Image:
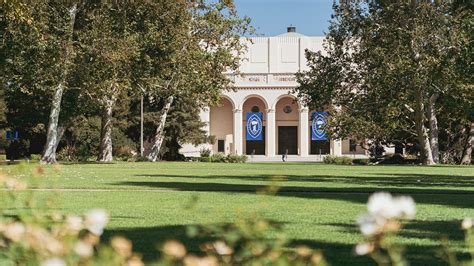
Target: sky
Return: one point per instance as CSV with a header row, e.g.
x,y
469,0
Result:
x,y
272,17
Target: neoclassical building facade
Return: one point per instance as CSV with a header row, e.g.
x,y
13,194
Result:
x,y
264,85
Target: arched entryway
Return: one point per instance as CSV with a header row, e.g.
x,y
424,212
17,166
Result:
x,y
254,103
287,125
221,126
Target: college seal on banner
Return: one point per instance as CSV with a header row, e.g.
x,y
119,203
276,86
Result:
x,y
254,125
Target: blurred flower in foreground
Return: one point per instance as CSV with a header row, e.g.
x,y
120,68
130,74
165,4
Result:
x,y
83,249
122,246
467,223
96,220
381,222
383,213
54,262
174,249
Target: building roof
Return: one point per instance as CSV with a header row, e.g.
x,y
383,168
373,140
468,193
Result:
x,y
291,34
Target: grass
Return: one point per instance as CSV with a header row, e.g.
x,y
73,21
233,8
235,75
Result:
x,y
317,204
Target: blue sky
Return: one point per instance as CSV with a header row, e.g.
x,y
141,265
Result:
x,y
272,17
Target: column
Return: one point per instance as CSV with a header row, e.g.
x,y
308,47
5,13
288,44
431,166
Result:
x,y
238,137
304,132
205,116
336,147
270,132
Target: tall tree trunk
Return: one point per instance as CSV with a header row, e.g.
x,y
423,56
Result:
x,y
52,141
61,130
434,131
159,134
49,152
425,148
105,151
467,152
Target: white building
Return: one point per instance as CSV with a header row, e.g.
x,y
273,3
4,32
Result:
x,y
265,84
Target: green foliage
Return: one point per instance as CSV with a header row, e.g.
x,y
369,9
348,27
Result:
x,y
233,158
205,152
82,138
338,160
245,242
218,158
230,158
385,63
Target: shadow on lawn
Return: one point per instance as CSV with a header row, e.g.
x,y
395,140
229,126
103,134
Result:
x,y
146,240
378,179
454,198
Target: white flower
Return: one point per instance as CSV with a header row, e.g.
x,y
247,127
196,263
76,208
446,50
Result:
x,y
222,248
74,223
369,225
406,207
83,249
467,223
382,204
14,231
363,249
96,220
53,262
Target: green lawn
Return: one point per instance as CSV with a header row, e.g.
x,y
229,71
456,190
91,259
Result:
x,y
317,204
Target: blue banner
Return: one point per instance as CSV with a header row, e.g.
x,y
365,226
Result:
x,y
254,126
318,124
9,135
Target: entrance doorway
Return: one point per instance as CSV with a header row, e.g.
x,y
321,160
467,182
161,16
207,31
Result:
x,y
288,140
256,147
320,147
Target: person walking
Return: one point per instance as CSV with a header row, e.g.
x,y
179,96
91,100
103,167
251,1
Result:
x,y
284,156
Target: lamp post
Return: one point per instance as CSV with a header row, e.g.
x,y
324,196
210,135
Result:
x,y
141,125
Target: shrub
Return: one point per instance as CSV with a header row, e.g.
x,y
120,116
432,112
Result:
x,y
339,160
35,157
67,154
343,160
218,158
233,158
205,152
329,159
204,159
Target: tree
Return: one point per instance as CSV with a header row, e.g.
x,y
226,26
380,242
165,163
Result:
x,y
187,52
108,50
39,51
386,67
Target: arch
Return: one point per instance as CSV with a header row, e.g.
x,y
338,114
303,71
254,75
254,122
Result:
x,y
225,97
252,146
288,126
285,96
221,125
254,96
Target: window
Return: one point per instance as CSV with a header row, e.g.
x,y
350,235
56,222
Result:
x,y
352,145
287,109
255,109
221,145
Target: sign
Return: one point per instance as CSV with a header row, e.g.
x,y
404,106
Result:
x,y
13,135
318,125
254,126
